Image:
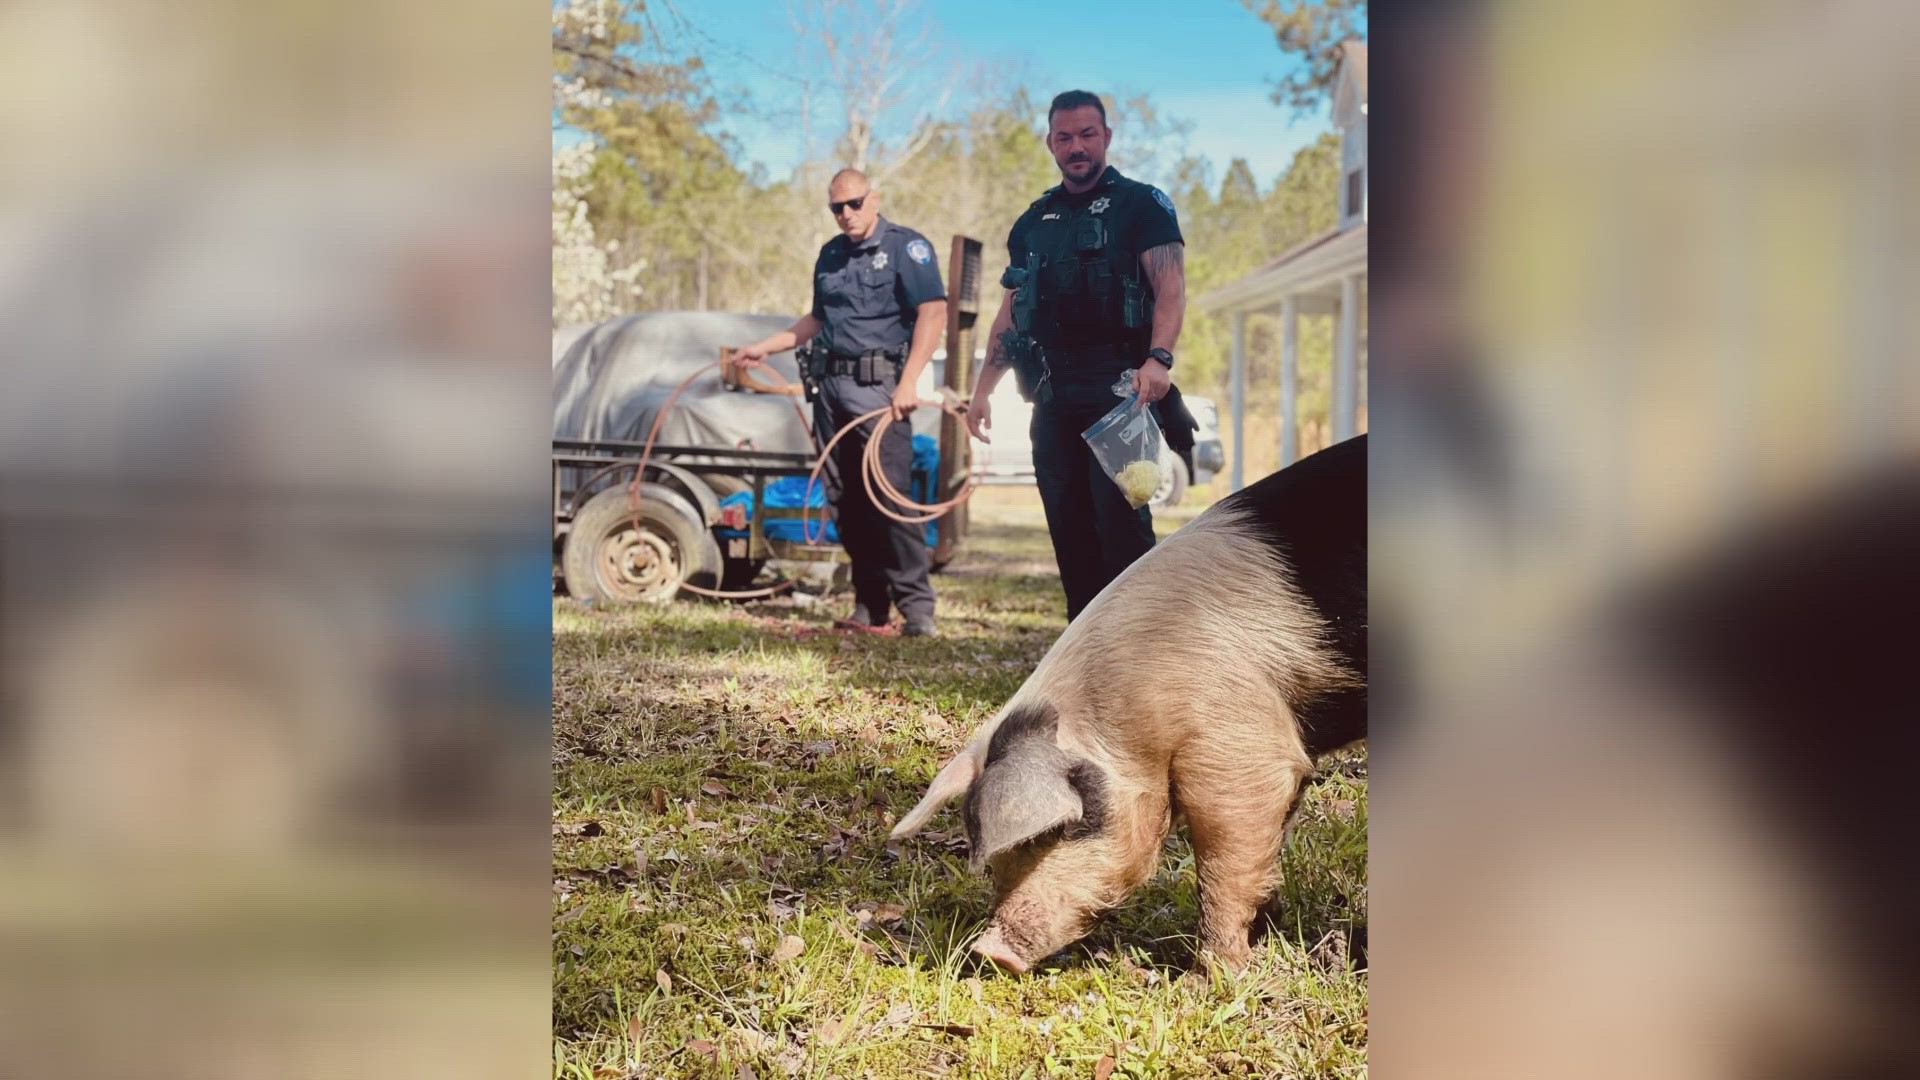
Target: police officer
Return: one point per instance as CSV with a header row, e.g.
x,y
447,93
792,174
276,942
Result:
x,y
1096,285
879,309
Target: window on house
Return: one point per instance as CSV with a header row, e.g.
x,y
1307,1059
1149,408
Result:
x,y
1356,191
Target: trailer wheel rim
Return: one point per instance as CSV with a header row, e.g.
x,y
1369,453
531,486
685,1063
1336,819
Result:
x,y
1168,463
637,563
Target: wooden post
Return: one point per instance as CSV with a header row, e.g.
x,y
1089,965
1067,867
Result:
x,y
964,269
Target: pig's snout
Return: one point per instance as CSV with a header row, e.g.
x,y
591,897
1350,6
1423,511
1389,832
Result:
x,y
1030,925
993,946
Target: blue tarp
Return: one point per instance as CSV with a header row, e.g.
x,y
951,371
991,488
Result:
x,y
787,493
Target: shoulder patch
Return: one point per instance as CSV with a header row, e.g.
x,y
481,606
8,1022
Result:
x,y
920,251
1161,198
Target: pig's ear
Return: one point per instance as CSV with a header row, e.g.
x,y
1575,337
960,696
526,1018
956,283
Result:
x,y
1028,790
952,783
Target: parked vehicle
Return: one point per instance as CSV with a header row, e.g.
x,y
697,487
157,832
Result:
x,y
1009,458
726,481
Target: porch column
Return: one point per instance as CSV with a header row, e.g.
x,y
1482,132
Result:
x,y
1346,371
1239,395
1289,381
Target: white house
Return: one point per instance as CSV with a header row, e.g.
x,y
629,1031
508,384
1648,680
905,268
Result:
x,y
1325,275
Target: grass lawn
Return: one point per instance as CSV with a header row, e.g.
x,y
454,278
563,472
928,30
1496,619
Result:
x,y
726,903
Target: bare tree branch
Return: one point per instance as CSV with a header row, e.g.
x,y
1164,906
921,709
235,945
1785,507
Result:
x,y
924,130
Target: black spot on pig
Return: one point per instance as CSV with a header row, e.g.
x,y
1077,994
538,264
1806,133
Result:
x,y
1091,785
970,816
1314,513
1026,722
1030,788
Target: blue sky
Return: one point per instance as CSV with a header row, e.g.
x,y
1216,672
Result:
x,y
1206,61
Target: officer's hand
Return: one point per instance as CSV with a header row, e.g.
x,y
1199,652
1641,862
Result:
x,y
980,417
750,355
1152,381
905,400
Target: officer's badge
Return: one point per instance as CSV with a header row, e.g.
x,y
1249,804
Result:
x,y
880,261
920,251
1161,198
1100,204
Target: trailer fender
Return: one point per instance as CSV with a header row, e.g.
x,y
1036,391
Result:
x,y
681,480
690,485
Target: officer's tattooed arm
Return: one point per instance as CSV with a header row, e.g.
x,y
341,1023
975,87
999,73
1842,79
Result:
x,y
1166,271
997,349
980,409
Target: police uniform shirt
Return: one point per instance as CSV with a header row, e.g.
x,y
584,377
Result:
x,y
1139,218
868,295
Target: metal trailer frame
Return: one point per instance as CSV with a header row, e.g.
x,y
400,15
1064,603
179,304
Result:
x,y
684,468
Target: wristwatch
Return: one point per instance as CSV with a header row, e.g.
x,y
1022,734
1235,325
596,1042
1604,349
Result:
x,y
1162,355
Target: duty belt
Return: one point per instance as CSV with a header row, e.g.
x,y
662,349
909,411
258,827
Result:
x,y
1082,357
866,366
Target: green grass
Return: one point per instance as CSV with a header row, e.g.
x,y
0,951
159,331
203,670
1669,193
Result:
x,y
724,780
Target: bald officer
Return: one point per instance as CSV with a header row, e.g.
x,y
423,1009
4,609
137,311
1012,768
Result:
x,y
879,309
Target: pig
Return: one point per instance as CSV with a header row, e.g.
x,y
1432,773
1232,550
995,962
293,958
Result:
x,y
1202,682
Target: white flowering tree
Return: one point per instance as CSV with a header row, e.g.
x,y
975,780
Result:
x,y
637,174
591,281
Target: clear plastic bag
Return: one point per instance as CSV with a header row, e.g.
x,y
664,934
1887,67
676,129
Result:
x,y
1126,443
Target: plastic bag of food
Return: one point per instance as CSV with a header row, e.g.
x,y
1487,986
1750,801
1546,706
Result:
x,y
1126,443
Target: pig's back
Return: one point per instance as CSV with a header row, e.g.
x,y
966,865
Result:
x,y
1314,514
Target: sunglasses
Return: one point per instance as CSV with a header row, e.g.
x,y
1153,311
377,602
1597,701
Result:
x,y
856,204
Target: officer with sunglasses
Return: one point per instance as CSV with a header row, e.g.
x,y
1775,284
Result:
x,y
879,310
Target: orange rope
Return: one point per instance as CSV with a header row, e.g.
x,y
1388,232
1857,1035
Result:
x,y
871,471
875,476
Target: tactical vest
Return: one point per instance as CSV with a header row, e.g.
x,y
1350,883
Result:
x,y
1088,291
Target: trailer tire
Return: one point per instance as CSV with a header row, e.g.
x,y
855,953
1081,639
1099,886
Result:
x,y
611,558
